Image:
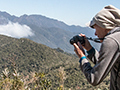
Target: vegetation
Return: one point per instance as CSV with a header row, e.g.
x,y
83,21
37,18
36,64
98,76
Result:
x,y
14,81
26,65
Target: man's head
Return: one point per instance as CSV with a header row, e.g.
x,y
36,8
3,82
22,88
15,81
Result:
x,y
105,20
100,32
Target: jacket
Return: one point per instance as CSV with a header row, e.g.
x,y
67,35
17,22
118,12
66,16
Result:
x,y
106,60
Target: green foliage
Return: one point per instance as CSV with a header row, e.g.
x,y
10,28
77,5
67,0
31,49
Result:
x,y
30,56
40,67
41,82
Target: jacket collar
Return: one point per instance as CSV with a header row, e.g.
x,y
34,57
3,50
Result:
x,y
116,29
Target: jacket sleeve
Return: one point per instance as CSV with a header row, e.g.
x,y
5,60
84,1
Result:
x,y
104,60
93,55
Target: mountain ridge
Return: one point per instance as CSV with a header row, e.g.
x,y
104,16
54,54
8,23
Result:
x,y
43,28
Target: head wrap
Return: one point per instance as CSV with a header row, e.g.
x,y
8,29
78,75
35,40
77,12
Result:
x,y
108,18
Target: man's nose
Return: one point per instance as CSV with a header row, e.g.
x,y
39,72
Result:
x,y
95,34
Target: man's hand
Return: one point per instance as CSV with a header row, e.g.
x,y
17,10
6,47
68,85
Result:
x,y
79,49
87,44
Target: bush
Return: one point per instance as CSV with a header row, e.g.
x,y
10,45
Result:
x,y
15,81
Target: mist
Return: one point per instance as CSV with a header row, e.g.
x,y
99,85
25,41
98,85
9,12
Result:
x,y
16,30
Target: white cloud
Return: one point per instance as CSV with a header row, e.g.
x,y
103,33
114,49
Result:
x,y
87,24
16,30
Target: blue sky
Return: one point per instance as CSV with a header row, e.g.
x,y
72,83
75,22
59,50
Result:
x,y
71,12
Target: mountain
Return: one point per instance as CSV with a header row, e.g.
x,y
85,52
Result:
x,y
47,31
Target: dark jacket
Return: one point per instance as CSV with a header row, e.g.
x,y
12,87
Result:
x,y
106,60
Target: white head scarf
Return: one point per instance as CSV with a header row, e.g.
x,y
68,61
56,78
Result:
x,y
108,18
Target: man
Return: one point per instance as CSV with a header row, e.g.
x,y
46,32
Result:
x,y
107,26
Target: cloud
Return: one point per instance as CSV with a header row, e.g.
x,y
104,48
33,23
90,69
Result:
x,y
16,30
87,24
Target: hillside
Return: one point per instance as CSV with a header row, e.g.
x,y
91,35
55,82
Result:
x,y
28,56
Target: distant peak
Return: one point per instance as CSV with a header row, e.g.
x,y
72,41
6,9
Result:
x,y
25,15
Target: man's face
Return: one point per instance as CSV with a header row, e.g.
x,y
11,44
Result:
x,y
100,32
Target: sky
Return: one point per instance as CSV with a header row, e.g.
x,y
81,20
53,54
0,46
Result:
x,y
71,12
